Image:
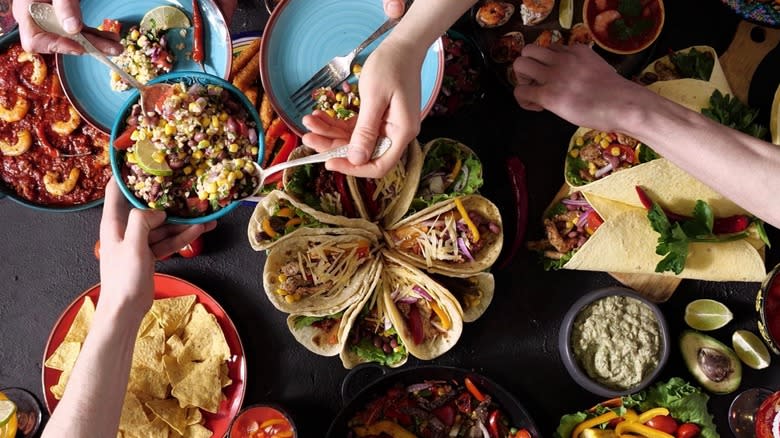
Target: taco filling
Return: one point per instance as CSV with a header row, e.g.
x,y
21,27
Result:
x,y
568,226
448,170
379,194
693,64
284,219
465,290
327,327
456,236
373,337
322,189
426,320
322,271
596,155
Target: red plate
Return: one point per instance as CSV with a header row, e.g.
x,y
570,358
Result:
x,y
166,286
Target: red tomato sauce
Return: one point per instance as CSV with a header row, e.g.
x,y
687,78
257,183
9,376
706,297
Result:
x,y
261,422
624,25
766,415
772,308
24,173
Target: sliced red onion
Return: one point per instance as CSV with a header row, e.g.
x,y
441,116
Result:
x,y
252,135
485,433
407,300
614,161
575,202
604,170
584,217
417,387
494,228
464,250
422,292
388,324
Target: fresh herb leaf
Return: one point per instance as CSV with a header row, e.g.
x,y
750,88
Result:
x,y
623,32
630,8
675,248
659,222
729,111
556,210
702,215
573,167
694,64
646,153
552,264
762,232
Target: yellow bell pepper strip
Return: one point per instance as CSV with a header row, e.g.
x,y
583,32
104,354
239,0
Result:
x,y
446,324
465,216
631,415
266,226
641,429
593,422
454,174
285,212
293,222
386,427
649,414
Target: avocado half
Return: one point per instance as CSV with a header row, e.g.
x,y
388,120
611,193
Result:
x,y
714,365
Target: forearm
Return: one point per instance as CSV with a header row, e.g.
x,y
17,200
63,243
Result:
x,y
738,166
92,403
427,20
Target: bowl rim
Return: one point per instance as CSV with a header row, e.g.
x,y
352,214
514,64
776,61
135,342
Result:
x,y
119,125
772,277
597,40
275,406
568,357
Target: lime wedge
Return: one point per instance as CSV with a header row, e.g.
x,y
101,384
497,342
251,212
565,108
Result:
x,y
144,153
164,18
7,410
566,14
706,315
750,349
774,118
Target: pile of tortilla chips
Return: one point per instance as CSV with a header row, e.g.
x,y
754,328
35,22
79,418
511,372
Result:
x,y
179,367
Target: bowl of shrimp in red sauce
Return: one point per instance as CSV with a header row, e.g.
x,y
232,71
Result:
x,y
624,27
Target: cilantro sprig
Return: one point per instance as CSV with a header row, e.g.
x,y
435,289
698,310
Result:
x,y
729,111
693,64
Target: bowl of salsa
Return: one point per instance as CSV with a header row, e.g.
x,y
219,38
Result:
x,y
624,27
768,307
262,421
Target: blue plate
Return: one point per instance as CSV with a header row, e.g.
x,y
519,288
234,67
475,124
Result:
x,y
86,81
303,35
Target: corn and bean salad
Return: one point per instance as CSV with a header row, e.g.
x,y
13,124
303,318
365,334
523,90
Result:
x,y
205,142
145,57
342,104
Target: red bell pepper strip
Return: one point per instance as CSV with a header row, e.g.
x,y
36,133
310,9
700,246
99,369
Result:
x,y
463,403
290,142
474,390
47,147
415,325
644,198
517,178
626,150
726,225
522,433
272,135
197,34
493,422
346,201
124,141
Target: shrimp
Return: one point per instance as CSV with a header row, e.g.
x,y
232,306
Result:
x,y
603,20
17,112
535,11
494,14
102,141
66,127
23,143
548,38
39,66
580,35
57,188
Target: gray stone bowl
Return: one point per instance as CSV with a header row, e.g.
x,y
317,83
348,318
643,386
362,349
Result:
x,y
570,361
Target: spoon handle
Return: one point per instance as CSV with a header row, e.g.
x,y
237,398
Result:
x,y
382,145
92,50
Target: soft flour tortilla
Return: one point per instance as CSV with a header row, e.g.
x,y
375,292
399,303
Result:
x,y
690,93
483,260
322,201
335,299
474,294
404,178
717,77
331,224
398,273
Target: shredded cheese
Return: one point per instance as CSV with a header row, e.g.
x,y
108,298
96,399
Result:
x,y
389,185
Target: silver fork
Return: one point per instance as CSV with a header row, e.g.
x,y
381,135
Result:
x,y
336,70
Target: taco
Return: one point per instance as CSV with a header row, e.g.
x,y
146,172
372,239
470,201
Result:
x,y
325,334
697,62
318,274
474,293
279,217
459,237
449,169
428,319
318,187
369,334
387,199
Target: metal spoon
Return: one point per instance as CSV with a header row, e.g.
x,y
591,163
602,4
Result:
x,y
742,412
44,16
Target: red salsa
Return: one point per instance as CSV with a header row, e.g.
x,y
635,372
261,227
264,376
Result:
x,y
48,155
624,25
768,417
261,422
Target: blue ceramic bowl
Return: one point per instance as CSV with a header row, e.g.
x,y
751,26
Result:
x,y
189,78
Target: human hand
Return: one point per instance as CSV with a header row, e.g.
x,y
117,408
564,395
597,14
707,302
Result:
x,y
130,242
394,8
576,84
34,39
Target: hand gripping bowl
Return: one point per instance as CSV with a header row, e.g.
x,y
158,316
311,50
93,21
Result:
x,y
188,78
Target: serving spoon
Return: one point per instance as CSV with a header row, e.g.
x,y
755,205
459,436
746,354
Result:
x,y
44,16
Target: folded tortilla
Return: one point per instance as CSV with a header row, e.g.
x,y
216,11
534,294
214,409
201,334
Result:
x,y
717,77
433,255
474,294
394,191
398,280
690,93
314,222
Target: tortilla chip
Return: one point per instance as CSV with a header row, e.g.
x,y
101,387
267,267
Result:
x,y
133,416
168,410
223,375
197,431
201,386
64,357
59,389
154,429
173,370
149,349
147,324
194,416
203,337
174,346
148,383
80,327
171,311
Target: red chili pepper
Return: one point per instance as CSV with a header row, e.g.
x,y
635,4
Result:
x,y
493,422
47,147
463,403
517,178
197,34
644,198
726,225
346,201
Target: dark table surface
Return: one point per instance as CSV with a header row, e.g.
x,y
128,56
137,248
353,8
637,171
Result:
x,y
46,261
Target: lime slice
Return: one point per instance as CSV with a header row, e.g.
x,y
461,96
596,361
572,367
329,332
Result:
x,y
566,14
7,410
144,153
774,119
750,349
164,18
706,315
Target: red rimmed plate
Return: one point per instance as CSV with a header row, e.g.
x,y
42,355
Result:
x,y
166,286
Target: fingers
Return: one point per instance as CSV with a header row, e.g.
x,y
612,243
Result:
x,y
363,139
320,123
140,223
107,46
165,231
69,14
115,211
373,169
394,8
531,68
173,243
529,97
546,56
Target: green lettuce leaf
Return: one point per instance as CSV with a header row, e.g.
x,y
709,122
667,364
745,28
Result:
x,y
366,350
469,179
307,321
552,264
573,167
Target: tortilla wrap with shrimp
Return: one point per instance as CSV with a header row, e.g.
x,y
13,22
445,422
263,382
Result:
x,y
441,240
326,334
428,318
474,293
622,240
279,217
319,274
692,63
369,334
386,199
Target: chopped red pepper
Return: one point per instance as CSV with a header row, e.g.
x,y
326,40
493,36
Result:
x,y
494,420
47,147
124,141
415,325
627,151
517,178
593,221
197,205
472,388
523,433
463,403
109,25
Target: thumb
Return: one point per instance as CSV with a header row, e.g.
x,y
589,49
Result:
x,y
140,223
69,14
363,140
529,97
394,8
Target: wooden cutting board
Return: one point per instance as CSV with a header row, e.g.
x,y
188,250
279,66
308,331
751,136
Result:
x,y
744,55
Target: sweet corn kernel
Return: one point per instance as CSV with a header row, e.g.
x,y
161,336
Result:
x,y
170,129
194,108
134,135
579,141
592,167
197,155
205,121
575,153
282,278
131,158
569,224
356,101
151,204
138,186
211,187
357,69
203,144
290,299
281,292
135,34
615,151
330,112
592,172
203,196
215,121
159,179
340,95
223,117
604,143
255,150
200,172
240,162
231,178
158,156
249,168
238,174
188,170
233,148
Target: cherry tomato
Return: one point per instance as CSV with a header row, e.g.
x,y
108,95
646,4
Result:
x,y
97,249
688,430
767,415
664,423
522,433
124,141
192,249
197,205
593,222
